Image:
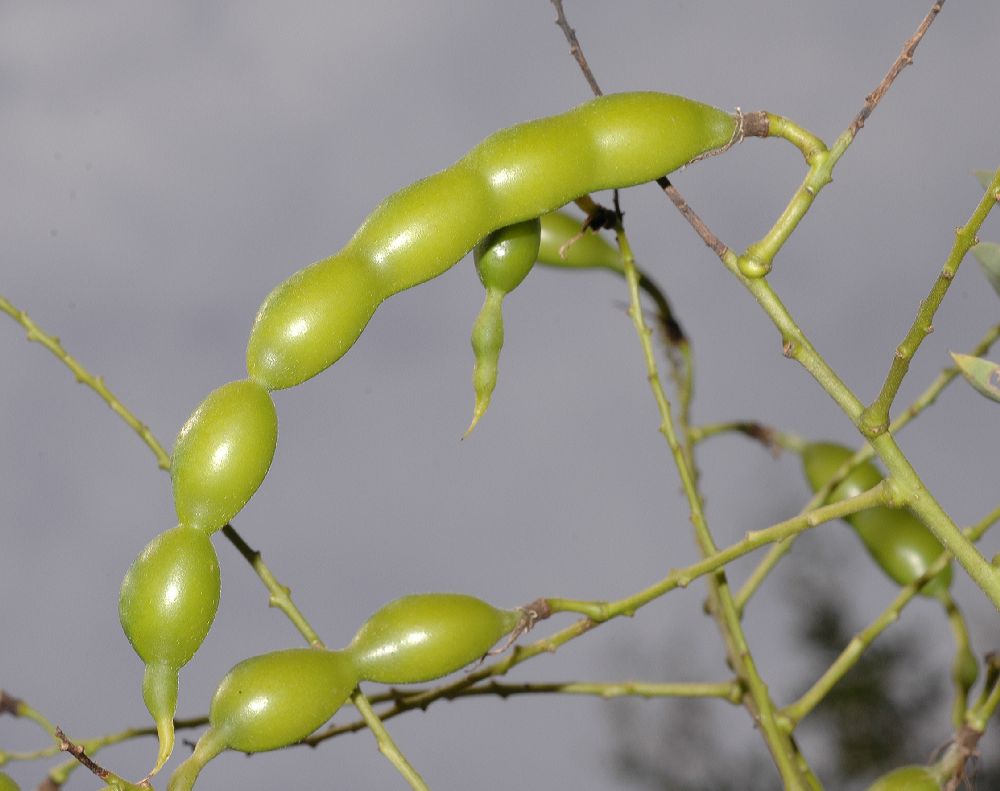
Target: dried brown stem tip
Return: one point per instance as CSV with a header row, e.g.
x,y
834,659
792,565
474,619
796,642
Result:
x,y
574,47
905,59
9,704
78,752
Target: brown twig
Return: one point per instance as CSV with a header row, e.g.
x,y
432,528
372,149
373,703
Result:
x,y
78,752
575,49
905,59
692,217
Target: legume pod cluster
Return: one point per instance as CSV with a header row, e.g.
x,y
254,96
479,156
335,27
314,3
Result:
x,y
502,186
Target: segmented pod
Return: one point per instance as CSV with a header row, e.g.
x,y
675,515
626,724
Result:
x,y
503,259
907,778
268,702
309,321
425,636
222,454
167,603
898,542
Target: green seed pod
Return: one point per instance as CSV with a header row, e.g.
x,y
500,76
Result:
x,y
563,244
503,259
7,783
268,702
308,322
166,606
222,454
425,636
907,778
898,542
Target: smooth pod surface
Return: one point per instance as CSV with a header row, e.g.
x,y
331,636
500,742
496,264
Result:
x,y
309,321
822,459
897,541
166,605
907,778
170,595
563,243
276,699
902,546
7,783
222,454
504,257
425,636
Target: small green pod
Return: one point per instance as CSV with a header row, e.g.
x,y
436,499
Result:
x,y
822,459
167,603
503,259
268,702
897,541
308,322
222,454
563,244
902,546
426,636
907,778
7,783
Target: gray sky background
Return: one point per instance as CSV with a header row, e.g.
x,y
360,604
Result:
x,y
165,165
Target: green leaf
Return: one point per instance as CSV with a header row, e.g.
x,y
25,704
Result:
x,y
984,176
981,374
988,254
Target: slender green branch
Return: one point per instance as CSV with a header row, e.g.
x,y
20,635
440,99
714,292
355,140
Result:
x,y
725,690
599,611
758,258
385,743
280,595
795,712
84,377
758,700
875,419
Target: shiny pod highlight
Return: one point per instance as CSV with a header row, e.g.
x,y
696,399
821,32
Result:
x,y
222,454
308,322
268,702
426,636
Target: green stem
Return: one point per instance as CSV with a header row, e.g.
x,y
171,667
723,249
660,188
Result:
x,y
280,595
84,377
758,258
795,712
875,419
758,700
600,611
385,743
